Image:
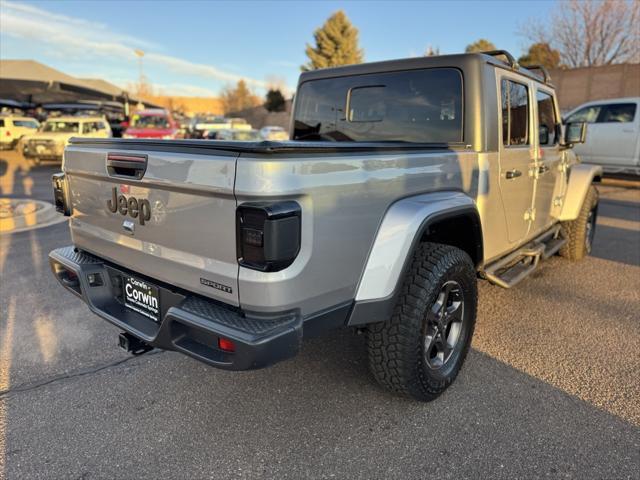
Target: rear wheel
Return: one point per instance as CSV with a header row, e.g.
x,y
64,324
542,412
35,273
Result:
x,y
421,348
581,231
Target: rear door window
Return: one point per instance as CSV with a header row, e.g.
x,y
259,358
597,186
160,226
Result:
x,y
417,106
618,113
515,113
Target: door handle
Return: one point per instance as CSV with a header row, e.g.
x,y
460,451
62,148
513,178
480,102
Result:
x,y
511,174
543,169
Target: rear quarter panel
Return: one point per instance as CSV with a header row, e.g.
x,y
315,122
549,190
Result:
x,y
344,199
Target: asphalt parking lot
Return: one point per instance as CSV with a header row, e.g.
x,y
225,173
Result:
x,y
551,388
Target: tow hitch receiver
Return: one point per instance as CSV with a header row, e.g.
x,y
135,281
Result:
x,y
133,345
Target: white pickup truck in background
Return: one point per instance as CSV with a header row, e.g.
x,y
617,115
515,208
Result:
x,y
613,134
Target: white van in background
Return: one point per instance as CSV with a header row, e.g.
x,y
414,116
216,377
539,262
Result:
x,y
613,134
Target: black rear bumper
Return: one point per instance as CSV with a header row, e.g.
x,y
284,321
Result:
x,y
189,323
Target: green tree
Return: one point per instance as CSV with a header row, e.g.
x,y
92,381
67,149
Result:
x,y
482,45
274,101
336,43
541,54
238,98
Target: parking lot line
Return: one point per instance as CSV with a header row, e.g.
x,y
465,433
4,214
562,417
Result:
x,y
5,367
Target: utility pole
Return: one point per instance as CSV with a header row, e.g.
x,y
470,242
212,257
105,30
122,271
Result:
x,y
139,54
141,80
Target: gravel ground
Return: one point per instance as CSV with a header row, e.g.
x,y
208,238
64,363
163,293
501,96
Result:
x,y
550,388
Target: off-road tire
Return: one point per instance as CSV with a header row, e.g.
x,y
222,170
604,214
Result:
x,y
397,351
577,232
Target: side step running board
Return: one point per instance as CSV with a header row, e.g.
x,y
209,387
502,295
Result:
x,y
518,265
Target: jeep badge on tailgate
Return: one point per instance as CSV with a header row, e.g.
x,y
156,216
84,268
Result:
x,y
139,208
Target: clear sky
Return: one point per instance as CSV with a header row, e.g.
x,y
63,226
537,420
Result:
x,y
198,47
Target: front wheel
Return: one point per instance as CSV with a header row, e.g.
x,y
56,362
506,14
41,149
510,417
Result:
x,y
421,348
581,231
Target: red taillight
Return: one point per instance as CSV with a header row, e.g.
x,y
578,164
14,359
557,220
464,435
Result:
x,y
8,134
226,345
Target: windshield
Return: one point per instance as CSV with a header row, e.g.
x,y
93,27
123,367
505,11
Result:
x,y
417,106
150,121
62,127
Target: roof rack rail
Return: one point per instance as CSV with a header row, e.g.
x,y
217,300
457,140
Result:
x,y
513,63
545,72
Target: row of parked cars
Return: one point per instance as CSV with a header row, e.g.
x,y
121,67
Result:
x,y
46,141
613,139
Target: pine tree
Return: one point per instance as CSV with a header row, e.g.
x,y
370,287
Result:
x,y
274,101
336,43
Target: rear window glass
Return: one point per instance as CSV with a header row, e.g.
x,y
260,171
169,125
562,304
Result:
x,y
417,106
1,123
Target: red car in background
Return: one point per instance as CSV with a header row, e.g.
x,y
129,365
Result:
x,y
152,123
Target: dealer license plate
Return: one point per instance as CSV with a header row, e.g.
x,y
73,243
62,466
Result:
x,y
142,297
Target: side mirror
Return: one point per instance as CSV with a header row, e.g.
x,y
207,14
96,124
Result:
x,y
575,133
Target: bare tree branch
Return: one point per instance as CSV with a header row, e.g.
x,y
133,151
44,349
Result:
x,y
592,32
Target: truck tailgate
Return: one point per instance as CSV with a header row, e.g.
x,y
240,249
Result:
x,y
176,224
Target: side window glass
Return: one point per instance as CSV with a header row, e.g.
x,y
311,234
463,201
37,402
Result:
x,y
86,127
548,126
515,113
618,113
586,115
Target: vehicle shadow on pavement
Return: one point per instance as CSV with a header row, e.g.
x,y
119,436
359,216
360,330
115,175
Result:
x,y
622,209
617,244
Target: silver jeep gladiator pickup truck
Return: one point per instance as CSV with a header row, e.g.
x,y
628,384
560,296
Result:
x,y
403,182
